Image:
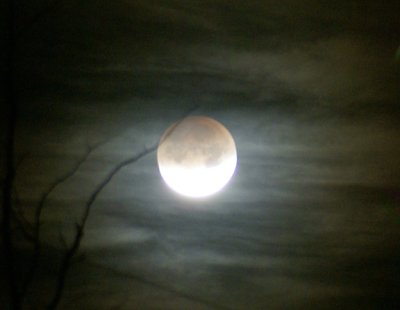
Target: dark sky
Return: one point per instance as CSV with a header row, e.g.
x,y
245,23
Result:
x,y
308,89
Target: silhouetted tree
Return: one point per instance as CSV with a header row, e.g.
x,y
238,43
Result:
x,y
13,217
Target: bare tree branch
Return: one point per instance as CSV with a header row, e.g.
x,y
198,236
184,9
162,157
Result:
x,y
38,215
69,254
65,263
73,249
18,217
22,224
17,209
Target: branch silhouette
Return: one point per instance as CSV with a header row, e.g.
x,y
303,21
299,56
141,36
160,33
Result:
x,y
80,227
17,292
38,214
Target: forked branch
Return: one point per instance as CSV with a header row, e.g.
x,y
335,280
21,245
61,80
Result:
x,y
80,228
37,222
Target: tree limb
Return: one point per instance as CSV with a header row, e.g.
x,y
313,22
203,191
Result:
x,y
69,254
38,214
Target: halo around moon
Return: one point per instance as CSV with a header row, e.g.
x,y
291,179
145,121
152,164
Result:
x,y
196,156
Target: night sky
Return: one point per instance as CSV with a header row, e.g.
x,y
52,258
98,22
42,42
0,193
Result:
x,y
308,89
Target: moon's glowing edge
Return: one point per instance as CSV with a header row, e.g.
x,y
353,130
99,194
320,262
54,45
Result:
x,y
200,181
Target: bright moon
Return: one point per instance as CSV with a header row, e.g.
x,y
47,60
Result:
x,y
196,156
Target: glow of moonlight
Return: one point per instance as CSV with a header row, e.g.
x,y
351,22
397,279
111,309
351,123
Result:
x,y
196,156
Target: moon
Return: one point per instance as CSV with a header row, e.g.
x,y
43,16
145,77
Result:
x,y
196,156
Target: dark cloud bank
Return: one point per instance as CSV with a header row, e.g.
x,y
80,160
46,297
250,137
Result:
x,y
308,89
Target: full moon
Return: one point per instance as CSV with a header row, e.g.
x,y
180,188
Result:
x,y
196,156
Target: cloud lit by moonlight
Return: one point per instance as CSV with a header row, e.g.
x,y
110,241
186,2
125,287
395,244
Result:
x,y
196,156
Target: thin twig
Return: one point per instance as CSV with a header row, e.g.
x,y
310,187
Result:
x,y
22,224
80,228
17,213
18,210
38,214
